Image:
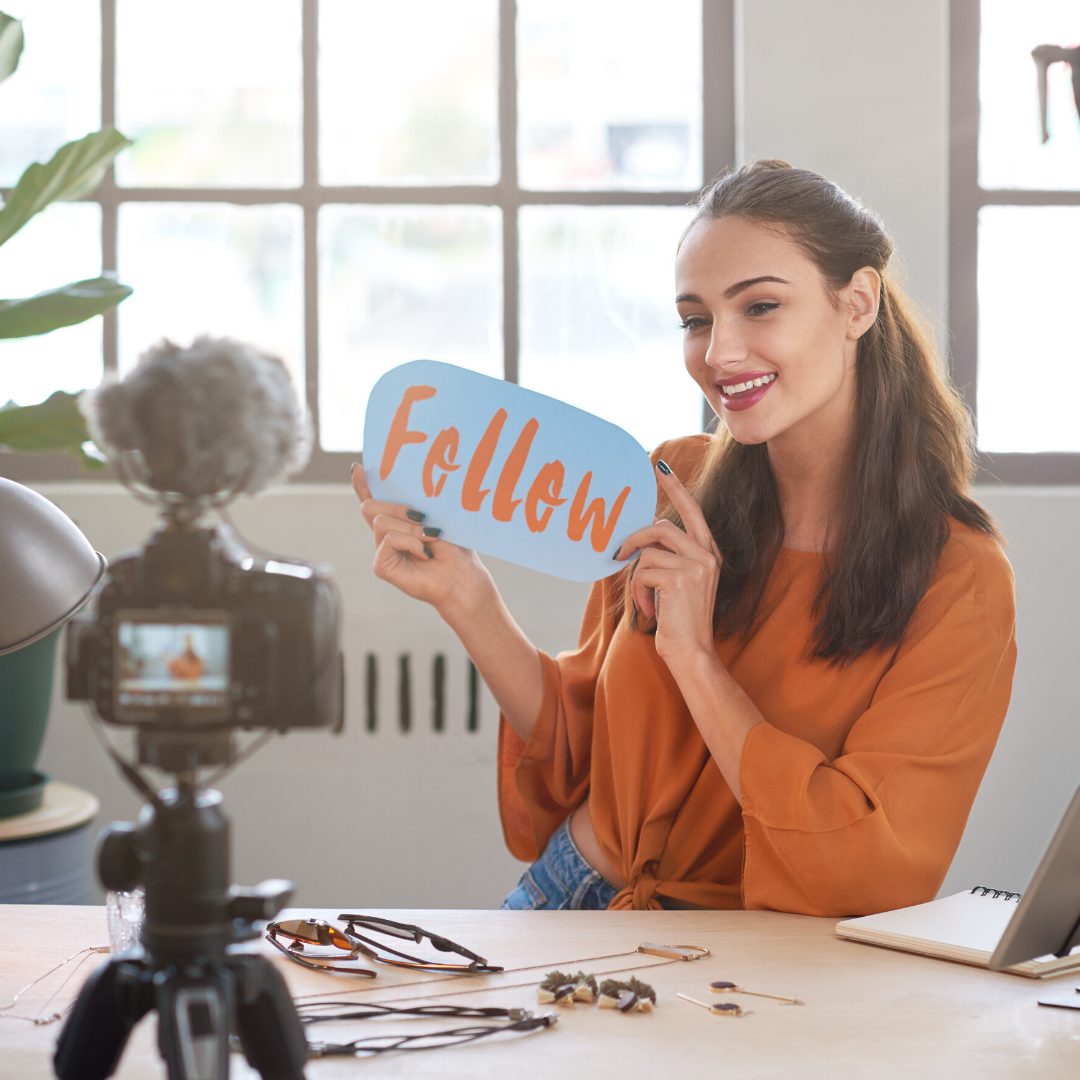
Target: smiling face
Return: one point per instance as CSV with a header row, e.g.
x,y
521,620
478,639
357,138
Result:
x,y
771,347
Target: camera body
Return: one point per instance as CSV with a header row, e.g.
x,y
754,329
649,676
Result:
x,y
193,633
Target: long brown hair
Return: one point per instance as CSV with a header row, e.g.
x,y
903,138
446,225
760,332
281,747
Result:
x,y
912,461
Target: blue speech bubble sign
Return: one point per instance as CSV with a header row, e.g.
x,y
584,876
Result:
x,y
505,470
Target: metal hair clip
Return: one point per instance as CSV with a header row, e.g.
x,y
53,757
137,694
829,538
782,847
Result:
x,y
721,1008
725,987
674,952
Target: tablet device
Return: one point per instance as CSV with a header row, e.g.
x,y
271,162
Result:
x,y
1047,919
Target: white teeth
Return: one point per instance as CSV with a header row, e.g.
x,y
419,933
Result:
x,y
738,388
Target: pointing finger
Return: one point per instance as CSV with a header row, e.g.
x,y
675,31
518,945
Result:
x,y
693,519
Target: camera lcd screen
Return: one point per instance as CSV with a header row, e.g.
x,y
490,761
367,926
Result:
x,y
163,663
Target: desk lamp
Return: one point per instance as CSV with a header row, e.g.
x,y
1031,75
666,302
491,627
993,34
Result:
x,y
48,570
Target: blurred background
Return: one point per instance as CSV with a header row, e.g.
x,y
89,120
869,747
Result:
x,y
502,185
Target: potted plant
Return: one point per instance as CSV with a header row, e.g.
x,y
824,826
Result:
x,y
74,171
51,568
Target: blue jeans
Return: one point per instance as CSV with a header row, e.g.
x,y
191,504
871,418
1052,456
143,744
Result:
x,y
560,879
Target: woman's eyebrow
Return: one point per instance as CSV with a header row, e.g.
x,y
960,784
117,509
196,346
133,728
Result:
x,y
732,290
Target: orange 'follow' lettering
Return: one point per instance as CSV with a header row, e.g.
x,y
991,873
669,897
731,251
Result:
x,y
545,487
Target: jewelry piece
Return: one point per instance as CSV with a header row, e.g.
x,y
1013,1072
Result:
x,y
309,1014
434,1040
674,954
49,1018
630,995
565,989
721,1008
724,987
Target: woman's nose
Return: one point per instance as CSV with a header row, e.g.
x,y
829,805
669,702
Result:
x,y
726,349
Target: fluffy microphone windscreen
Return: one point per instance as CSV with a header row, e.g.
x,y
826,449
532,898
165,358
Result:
x,y
218,416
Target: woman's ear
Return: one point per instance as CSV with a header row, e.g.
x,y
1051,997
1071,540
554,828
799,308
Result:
x,y
862,295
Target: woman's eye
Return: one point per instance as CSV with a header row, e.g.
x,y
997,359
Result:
x,y
691,323
763,307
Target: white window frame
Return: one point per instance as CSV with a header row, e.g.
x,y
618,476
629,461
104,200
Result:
x,y
966,199
506,194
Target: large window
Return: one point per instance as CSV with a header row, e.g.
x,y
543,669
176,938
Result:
x,y
352,184
1015,232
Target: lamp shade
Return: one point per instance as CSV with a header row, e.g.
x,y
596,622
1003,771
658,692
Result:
x,y
48,569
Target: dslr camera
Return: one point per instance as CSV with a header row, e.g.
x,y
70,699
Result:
x,y
194,632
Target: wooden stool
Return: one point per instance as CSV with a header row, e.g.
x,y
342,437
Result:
x,y
45,855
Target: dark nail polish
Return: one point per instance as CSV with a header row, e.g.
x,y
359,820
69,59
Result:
x,y
428,552
663,466
616,555
430,530
415,515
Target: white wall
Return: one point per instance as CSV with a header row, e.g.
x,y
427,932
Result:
x,y
856,89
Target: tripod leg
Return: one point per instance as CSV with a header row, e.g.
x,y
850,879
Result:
x,y
112,1001
269,1029
194,1017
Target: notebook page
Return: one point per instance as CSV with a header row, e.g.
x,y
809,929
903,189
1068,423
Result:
x,y
964,920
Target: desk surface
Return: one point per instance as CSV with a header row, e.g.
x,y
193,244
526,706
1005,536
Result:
x,y
868,1012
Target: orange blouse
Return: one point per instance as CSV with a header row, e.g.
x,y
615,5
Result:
x,y
857,788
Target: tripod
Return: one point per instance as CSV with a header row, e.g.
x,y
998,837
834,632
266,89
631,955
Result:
x,y
189,969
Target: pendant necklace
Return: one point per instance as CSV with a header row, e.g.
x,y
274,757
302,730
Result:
x,y
668,954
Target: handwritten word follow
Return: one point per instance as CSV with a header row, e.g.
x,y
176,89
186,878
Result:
x,y
544,492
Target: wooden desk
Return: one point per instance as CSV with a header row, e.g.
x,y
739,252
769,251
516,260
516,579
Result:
x,y
869,1012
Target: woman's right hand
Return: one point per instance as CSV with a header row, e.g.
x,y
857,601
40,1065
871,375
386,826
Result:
x,y
411,556
457,584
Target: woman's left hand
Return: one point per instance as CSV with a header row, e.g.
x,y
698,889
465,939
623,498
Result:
x,y
676,576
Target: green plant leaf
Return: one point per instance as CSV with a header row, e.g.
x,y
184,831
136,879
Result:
x,y
65,306
11,44
55,424
74,170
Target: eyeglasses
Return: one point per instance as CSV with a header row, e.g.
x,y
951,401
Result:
x,y
301,933
407,932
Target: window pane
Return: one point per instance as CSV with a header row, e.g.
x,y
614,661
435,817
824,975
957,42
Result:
x,y
1029,354
61,244
397,284
609,94
213,269
599,327
210,92
408,92
1011,151
55,94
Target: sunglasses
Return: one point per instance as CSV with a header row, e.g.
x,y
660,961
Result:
x,y
351,945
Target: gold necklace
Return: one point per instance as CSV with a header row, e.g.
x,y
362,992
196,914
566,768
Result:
x,y
670,954
49,1018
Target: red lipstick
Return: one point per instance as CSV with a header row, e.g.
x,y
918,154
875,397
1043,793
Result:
x,y
747,398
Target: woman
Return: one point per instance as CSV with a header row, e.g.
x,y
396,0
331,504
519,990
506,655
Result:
x,y
789,698
189,664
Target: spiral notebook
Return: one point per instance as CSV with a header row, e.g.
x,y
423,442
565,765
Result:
x,y
965,927
993,928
